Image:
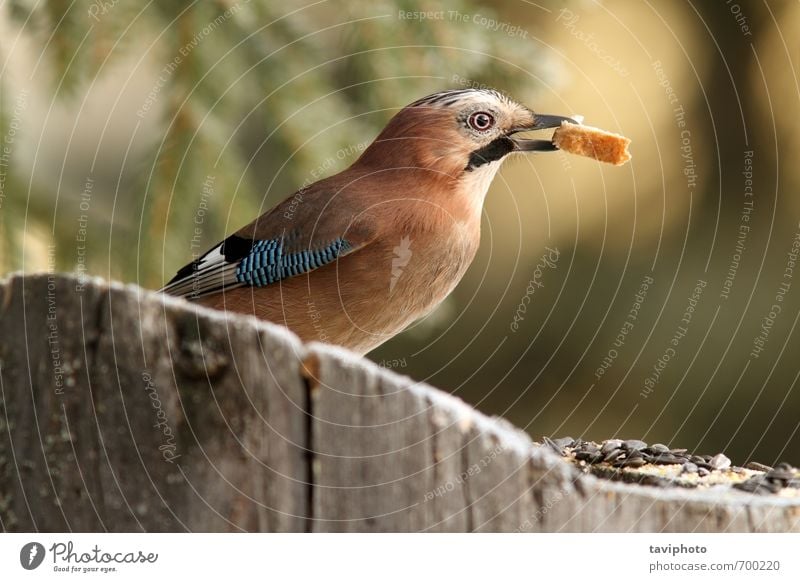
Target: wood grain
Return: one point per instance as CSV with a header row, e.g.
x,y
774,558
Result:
x,y
124,410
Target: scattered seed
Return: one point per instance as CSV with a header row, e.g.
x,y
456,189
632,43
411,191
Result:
x,y
720,461
611,445
772,487
753,466
634,453
634,445
589,456
780,475
759,485
613,455
749,486
668,459
633,462
564,442
559,450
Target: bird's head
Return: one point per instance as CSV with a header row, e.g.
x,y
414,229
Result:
x,y
462,134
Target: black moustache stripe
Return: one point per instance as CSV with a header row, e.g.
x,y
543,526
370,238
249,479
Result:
x,y
491,152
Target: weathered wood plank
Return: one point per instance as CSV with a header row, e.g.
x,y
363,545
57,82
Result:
x,y
179,420
371,446
48,443
124,410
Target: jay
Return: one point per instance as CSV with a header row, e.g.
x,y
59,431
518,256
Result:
x,y
355,258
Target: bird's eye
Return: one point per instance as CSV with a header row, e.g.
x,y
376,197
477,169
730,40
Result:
x,y
481,121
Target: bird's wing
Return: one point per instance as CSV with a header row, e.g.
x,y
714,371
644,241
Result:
x,y
265,252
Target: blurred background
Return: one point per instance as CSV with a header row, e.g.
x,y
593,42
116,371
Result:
x,y
136,136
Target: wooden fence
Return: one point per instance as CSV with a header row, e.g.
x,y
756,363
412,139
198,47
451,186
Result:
x,y
123,410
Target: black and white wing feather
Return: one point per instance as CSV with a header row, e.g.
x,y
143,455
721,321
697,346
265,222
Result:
x,y
240,262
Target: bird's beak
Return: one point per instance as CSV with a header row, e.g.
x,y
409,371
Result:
x,y
539,122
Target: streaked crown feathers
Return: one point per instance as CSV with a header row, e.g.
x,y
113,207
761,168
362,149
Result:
x,y
458,97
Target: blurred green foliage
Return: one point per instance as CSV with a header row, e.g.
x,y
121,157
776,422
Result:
x,y
172,112
258,97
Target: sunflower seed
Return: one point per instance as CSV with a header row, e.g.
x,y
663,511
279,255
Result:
x,y
553,446
613,455
780,475
633,462
753,466
589,457
611,445
564,442
755,484
634,445
758,485
668,460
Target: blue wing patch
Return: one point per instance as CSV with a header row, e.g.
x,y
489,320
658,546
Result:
x,y
268,263
239,261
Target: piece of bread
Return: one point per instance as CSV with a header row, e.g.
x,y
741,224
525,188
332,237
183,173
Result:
x,y
592,142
